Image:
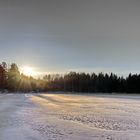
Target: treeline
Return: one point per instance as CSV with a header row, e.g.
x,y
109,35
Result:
x,y
82,82
12,80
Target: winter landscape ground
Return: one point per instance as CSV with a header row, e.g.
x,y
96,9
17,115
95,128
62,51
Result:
x,y
69,117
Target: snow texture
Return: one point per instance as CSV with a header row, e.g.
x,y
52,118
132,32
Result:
x,y
69,117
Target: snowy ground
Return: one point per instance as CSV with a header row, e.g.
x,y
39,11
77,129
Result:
x,y
69,117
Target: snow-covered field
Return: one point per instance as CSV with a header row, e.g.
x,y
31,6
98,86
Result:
x,y
69,117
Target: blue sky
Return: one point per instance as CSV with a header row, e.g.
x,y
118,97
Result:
x,y
71,35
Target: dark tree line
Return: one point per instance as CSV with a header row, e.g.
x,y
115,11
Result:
x,y
12,80
82,82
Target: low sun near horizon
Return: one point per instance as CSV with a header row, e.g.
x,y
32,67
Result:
x,y
28,71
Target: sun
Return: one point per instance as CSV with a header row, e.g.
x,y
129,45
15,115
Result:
x,y
27,71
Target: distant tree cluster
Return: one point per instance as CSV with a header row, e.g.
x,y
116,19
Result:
x,y
82,82
12,80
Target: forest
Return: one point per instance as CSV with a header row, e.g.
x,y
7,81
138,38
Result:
x,y
11,80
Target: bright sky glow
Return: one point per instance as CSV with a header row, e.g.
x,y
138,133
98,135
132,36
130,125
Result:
x,y
27,71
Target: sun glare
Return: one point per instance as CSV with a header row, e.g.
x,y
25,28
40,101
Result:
x,y
27,71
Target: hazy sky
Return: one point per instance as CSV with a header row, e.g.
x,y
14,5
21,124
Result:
x,y
71,35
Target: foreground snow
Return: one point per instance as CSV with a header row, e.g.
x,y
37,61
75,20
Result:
x,y
69,117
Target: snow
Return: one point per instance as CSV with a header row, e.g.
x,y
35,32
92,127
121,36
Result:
x,y
69,117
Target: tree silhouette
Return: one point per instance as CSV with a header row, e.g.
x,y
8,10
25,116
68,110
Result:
x,y
12,80
13,77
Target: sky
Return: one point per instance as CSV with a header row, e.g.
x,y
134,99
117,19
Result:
x,y
71,35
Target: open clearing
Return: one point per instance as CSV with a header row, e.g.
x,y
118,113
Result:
x,y
69,117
